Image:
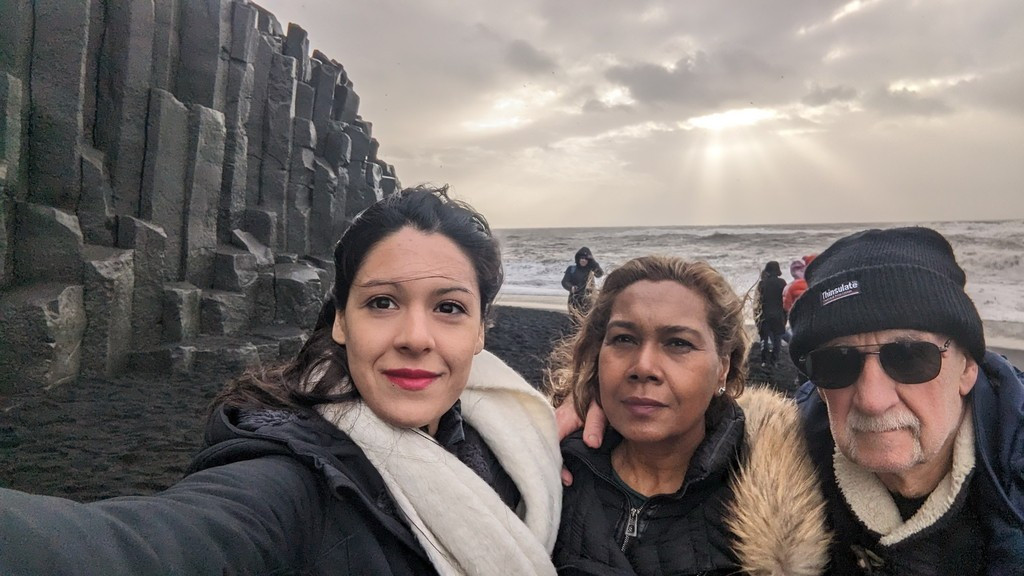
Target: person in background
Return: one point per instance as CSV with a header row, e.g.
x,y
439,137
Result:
x,y
916,430
579,281
769,316
797,287
391,444
686,481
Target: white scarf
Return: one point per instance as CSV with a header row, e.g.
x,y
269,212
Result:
x,y
459,520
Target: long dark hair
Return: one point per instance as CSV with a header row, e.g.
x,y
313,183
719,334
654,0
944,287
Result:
x,y
771,270
318,372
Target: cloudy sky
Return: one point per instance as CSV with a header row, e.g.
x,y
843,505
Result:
x,y
703,112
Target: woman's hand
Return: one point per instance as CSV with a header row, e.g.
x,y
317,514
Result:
x,y
568,422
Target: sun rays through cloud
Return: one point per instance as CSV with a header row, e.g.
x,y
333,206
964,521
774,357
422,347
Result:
x,y
547,113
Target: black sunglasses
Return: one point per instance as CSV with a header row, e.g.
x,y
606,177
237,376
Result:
x,y
905,362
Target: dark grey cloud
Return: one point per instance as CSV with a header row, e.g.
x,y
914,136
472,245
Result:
x,y
643,25
822,95
905,102
524,57
999,90
705,79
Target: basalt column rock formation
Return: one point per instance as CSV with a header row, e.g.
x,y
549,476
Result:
x,y
174,175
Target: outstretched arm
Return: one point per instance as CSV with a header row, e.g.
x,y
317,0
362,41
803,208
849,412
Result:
x,y
221,519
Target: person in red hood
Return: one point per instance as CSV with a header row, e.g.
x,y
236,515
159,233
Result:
x,y
797,287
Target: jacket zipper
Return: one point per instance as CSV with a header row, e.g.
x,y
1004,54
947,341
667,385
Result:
x,y
633,523
632,526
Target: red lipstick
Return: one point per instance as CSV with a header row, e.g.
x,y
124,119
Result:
x,y
411,379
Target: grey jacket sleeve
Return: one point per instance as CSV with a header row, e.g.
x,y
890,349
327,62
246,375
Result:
x,y
251,517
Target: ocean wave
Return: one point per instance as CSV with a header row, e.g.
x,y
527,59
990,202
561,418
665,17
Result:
x,y
1001,267
520,290
992,254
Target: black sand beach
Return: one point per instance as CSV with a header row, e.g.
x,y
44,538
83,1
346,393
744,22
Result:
x,y
136,435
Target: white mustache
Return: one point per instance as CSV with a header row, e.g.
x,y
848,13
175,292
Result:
x,y
889,421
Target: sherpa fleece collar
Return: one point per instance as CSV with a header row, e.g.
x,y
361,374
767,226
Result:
x,y
872,503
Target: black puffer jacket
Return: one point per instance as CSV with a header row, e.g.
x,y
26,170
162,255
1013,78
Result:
x,y
750,503
275,493
681,533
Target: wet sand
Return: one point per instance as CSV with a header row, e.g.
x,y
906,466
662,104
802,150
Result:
x,y
100,438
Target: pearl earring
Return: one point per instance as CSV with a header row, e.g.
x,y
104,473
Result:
x,y
721,391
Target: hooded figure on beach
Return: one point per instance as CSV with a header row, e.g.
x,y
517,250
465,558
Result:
x,y
579,281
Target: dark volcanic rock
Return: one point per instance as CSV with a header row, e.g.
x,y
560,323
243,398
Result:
x,y
57,92
41,327
205,30
101,438
109,279
50,247
164,175
149,244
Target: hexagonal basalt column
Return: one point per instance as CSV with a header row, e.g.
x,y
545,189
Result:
x,y
41,327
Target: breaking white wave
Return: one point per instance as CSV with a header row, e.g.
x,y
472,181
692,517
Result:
x,y
990,253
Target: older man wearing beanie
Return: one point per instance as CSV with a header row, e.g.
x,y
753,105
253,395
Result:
x,y
916,431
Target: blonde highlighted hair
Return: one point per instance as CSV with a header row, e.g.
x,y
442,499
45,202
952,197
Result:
x,y
572,368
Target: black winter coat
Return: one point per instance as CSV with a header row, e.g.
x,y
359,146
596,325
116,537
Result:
x,y
281,494
995,498
773,315
579,280
680,533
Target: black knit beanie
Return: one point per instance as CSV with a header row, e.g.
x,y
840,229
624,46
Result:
x,y
902,278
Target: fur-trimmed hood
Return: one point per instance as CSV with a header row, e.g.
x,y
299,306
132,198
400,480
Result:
x,y
778,513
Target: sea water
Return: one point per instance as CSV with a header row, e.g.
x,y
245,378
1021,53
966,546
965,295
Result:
x,y
990,252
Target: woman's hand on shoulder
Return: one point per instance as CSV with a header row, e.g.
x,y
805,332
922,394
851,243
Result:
x,y
568,422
